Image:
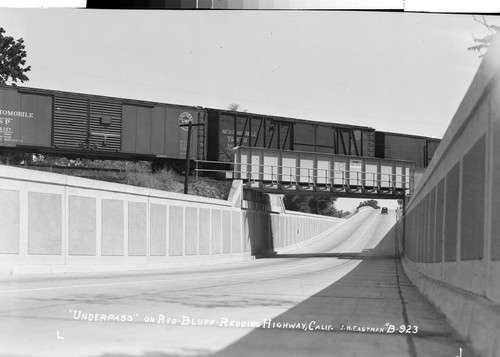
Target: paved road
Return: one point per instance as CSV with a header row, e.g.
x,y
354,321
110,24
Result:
x,y
323,300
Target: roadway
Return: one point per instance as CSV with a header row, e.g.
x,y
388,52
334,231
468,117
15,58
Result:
x,y
321,300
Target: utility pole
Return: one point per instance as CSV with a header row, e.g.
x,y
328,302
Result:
x,y
189,125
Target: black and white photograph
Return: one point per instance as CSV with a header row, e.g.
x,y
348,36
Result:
x,y
226,178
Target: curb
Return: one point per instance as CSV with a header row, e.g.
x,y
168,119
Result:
x,y
474,317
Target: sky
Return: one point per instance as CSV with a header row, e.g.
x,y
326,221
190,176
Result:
x,y
398,72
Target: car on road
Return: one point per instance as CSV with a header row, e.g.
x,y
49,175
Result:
x,y
384,210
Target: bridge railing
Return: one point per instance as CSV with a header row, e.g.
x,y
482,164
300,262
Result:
x,y
281,175
313,170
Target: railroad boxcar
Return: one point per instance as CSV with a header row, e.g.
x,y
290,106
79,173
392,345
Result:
x,y
228,129
418,149
80,125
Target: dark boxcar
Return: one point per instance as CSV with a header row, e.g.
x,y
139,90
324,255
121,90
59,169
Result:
x,y
334,138
227,129
25,118
405,147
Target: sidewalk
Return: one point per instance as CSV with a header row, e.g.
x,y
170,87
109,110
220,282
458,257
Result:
x,y
352,318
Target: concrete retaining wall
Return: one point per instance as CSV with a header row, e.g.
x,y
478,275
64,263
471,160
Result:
x,y
450,233
57,223
294,230
287,229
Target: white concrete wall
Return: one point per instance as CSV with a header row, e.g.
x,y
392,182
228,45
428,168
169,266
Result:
x,y
450,233
57,223
294,229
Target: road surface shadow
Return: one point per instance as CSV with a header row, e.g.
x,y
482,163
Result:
x,y
353,316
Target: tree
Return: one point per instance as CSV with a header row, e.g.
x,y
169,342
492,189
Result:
x,y
236,108
342,214
482,44
12,60
296,203
322,205
369,203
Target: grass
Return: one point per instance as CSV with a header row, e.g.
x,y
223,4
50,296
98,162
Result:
x,y
133,173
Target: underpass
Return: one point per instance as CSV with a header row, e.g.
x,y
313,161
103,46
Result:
x,y
343,295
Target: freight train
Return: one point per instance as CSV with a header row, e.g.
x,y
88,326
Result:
x,y
88,126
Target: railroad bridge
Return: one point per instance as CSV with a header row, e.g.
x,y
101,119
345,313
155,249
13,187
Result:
x,y
281,172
